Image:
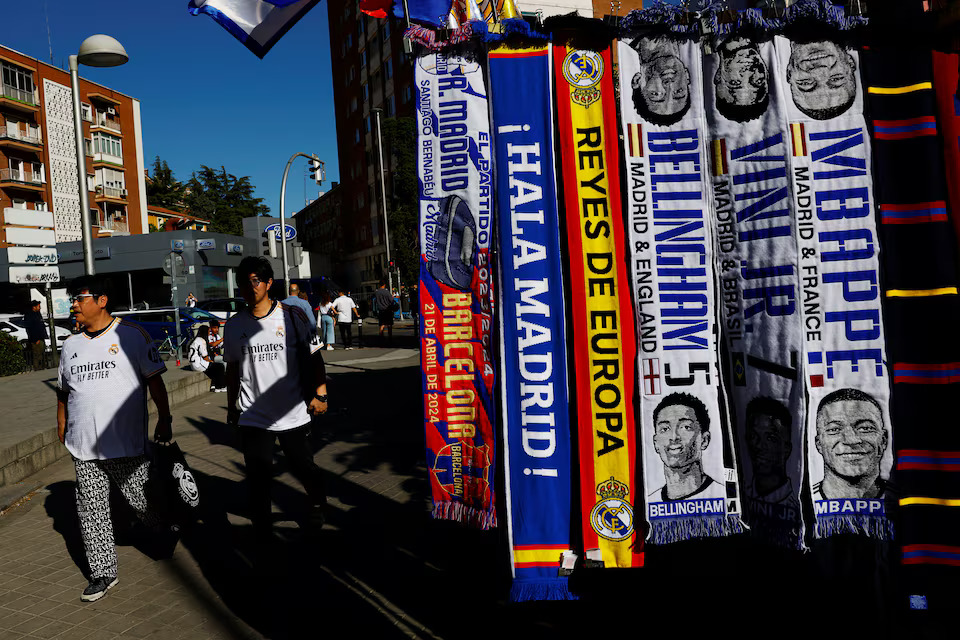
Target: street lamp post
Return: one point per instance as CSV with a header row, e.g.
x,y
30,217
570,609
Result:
x,y
383,197
96,51
282,235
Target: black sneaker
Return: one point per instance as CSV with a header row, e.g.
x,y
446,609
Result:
x,y
97,588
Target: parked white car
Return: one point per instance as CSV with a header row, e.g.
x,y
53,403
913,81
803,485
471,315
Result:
x,y
14,327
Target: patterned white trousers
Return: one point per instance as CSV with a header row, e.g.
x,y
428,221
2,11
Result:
x,y
93,506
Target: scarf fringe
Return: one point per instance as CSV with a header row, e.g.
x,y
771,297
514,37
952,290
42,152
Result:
x,y
470,516
782,537
526,590
668,530
878,528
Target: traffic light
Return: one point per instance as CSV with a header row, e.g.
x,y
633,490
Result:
x,y
270,244
393,265
317,171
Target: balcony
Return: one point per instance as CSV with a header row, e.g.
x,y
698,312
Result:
x,y
18,99
21,180
99,156
115,226
102,122
13,137
109,193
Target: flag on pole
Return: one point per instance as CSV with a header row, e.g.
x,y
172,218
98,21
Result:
x,y
433,12
258,24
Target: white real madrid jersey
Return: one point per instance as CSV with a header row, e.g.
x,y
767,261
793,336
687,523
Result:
x,y
107,403
271,395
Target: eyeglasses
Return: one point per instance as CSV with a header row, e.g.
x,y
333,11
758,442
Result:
x,y
77,297
253,283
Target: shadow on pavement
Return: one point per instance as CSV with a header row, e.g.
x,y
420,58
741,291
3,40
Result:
x,y
61,508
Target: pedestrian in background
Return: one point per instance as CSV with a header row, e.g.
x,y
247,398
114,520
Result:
x,y
36,335
191,300
325,320
384,304
294,300
346,309
102,420
201,359
214,340
273,363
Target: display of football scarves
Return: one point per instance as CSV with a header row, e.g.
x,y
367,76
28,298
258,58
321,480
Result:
x,y
759,276
533,344
456,292
602,335
690,481
849,443
922,312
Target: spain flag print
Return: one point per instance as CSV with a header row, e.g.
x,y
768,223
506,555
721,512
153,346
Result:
x,y
604,346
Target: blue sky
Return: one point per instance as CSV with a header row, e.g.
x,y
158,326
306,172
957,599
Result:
x,y
205,99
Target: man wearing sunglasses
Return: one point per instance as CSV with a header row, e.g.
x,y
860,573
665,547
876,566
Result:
x,y
276,381
104,373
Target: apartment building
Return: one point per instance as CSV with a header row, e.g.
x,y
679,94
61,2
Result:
x,y
38,163
371,71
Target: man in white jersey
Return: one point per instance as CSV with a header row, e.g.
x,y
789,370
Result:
x,y
276,380
102,419
346,309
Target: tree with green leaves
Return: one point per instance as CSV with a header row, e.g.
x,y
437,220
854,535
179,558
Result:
x,y
163,189
223,199
400,138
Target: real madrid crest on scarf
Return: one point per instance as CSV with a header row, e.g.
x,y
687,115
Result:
x,y
583,71
603,340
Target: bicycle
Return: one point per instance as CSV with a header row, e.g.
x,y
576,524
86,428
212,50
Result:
x,y
168,347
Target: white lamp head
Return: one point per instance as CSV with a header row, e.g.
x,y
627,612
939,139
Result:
x,y
102,51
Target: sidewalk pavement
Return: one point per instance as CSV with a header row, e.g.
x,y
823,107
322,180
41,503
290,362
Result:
x,y
380,568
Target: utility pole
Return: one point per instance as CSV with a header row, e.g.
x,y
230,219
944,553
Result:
x,y
383,196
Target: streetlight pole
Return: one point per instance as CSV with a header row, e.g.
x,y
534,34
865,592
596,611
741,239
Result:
x,y
383,197
283,227
96,51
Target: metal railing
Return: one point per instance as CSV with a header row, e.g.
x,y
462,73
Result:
x,y
103,121
18,94
9,175
117,226
14,133
111,192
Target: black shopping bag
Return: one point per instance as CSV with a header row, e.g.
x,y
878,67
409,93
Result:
x,y
175,487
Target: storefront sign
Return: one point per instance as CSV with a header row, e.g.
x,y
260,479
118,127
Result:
x,y
32,255
34,275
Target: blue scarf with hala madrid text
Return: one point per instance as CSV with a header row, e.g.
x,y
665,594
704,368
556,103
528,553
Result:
x,y
536,421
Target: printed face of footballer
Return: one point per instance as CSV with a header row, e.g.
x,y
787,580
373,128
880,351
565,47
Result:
x,y
663,80
822,78
678,437
742,77
768,443
851,438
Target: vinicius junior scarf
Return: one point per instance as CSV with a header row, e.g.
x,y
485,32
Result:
x,y
456,210
533,379
758,280
849,443
690,482
603,335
